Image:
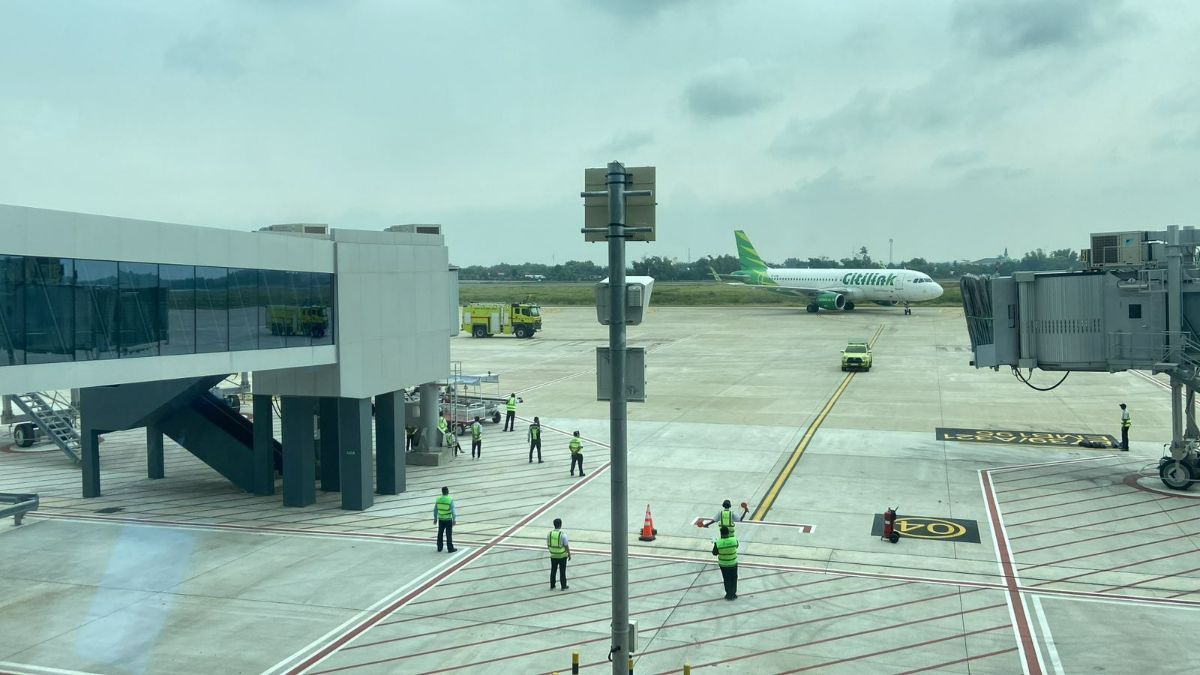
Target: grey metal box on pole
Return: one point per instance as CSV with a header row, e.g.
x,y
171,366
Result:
x,y
637,300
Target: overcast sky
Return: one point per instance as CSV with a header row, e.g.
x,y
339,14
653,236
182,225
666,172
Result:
x,y
956,128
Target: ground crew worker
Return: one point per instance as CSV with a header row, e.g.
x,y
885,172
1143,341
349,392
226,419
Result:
x,y
443,428
725,549
535,439
560,553
410,438
726,519
576,454
476,439
510,417
1125,424
445,517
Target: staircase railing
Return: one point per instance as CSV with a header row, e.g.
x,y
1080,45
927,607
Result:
x,y
55,418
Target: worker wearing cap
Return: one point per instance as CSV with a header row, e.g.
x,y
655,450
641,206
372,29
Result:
x,y
1125,424
445,517
725,548
726,518
535,439
510,416
476,439
560,553
576,453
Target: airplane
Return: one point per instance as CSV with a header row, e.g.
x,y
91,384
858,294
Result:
x,y
837,288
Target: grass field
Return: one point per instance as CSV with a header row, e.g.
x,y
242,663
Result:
x,y
678,294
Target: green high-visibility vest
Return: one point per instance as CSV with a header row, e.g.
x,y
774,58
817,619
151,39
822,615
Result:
x,y
727,521
1126,422
476,431
727,551
534,432
512,404
442,424
576,445
554,543
444,504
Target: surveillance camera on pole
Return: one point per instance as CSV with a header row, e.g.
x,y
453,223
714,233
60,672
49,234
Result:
x,y
615,213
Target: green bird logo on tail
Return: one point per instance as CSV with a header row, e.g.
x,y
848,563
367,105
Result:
x,y
754,269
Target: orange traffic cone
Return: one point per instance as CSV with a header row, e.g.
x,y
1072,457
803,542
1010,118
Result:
x,y
648,530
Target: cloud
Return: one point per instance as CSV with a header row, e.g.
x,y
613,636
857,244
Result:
x,y
993,174
734,92
210,53
637,9
628,142
1179,140
1015,27
958,160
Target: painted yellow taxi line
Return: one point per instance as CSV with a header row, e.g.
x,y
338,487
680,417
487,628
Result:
x,y
765,505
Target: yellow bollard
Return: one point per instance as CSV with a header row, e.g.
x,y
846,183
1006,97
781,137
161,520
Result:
x,y
687,669
574,663
631,665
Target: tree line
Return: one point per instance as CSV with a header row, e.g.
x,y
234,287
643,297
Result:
x,y
668,269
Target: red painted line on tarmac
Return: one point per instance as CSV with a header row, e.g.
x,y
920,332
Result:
x,y
1108,535
608,637
843,636
1104,522
509,589
1056,493
977,657
572,607
1113,569
1017,603
1132,481
489,577
1146,581
1090,501
1111,550
888,651
378,616
526,634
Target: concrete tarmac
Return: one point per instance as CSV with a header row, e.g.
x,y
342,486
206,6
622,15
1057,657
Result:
x,y
1082,560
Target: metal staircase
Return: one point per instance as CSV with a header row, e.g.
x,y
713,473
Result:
x,y
54,418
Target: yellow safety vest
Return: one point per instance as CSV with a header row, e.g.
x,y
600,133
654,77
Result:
x,y
512,404
576,445
535,432
727,521
727,552
476,431
442,424
444,504
554,543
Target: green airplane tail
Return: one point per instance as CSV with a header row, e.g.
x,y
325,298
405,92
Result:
x,y
751,261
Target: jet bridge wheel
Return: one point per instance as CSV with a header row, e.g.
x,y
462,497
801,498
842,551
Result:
x,y
24,435
1176,474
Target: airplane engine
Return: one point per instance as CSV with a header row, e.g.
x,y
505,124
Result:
x,y
886,303
829,300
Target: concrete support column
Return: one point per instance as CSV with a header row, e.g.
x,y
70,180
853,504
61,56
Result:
x,y
328,425
354,439
155,467
90,458
264,446
389,441
299,452
429,416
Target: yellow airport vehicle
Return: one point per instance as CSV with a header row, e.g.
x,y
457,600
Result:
x,y
485,319
310,320
857,355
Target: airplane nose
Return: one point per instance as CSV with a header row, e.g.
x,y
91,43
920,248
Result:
x,y
937,290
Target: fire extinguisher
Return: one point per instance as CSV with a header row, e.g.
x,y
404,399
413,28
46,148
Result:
x,y
889,525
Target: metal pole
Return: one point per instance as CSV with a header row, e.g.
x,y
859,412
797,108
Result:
x,y
616,412
1175,336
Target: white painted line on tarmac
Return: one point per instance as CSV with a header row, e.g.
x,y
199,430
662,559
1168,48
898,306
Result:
x,y
1047,636
23,668
1139,601
805,528
315,644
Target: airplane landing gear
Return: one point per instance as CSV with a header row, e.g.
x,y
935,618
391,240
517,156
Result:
x,y
812,308
907,309
849,306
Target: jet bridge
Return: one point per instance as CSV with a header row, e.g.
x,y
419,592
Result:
x,y
1135,307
